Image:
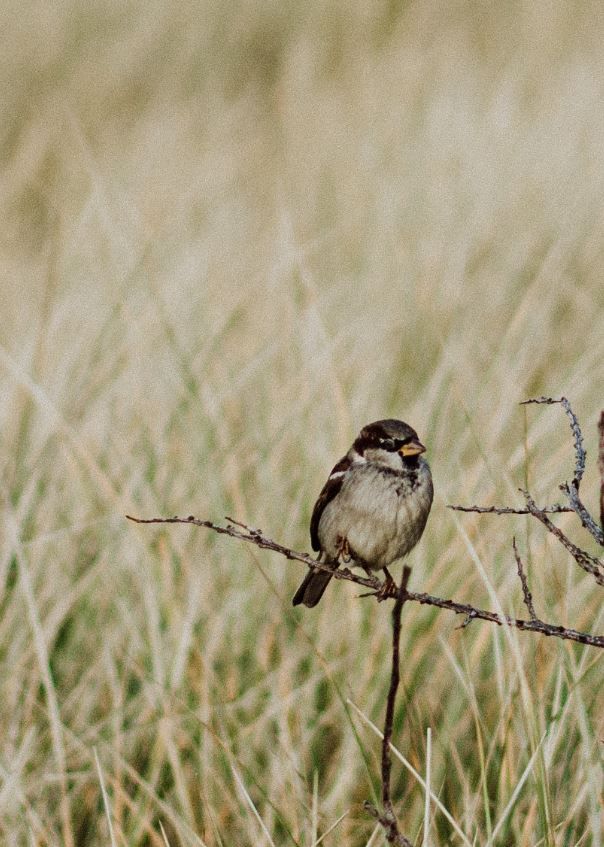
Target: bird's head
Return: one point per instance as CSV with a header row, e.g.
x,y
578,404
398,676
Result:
x,y
389,442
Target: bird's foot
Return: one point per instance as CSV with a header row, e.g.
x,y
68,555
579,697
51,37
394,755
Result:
x,y
389,588
344,552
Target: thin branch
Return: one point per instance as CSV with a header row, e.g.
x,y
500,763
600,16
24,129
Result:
x,y
474,613
572,492
571,489
590,564
391,829
526,592
256,537
576,506
580,454
557,508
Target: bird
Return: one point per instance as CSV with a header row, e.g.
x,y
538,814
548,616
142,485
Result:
x,y
373,508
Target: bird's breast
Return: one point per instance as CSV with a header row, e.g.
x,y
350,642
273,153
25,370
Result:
x,y
381,513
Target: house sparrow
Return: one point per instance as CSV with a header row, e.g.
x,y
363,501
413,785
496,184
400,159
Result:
x,y
374,506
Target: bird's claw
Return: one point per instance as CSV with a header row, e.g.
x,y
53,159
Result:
x,y
388,590
344,553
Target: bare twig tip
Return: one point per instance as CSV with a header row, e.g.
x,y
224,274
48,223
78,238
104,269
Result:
x,y
547,401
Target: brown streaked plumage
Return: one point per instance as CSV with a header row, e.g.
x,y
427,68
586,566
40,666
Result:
x,y
374,506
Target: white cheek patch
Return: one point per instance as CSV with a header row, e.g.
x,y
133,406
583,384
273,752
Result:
x,y
385,458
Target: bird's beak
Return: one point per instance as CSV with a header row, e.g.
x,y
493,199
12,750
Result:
x,y
412,448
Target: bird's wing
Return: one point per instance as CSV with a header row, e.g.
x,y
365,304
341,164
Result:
x,y
330,490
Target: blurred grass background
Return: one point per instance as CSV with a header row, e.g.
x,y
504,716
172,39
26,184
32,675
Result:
x,y
232,235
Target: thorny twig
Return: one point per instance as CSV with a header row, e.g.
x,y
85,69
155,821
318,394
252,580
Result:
x,y
580,454
571,489
526,591
257,537
590,564
577,506
510,510
239,530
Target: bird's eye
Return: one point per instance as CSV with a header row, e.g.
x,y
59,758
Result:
x,y
388,443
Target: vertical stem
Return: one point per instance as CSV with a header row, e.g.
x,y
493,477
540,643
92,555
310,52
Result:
x,y
394,683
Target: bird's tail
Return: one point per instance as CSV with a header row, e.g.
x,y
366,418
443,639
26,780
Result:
x,y
312,588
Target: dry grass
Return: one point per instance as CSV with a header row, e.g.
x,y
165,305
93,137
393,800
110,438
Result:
x,y
231,236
